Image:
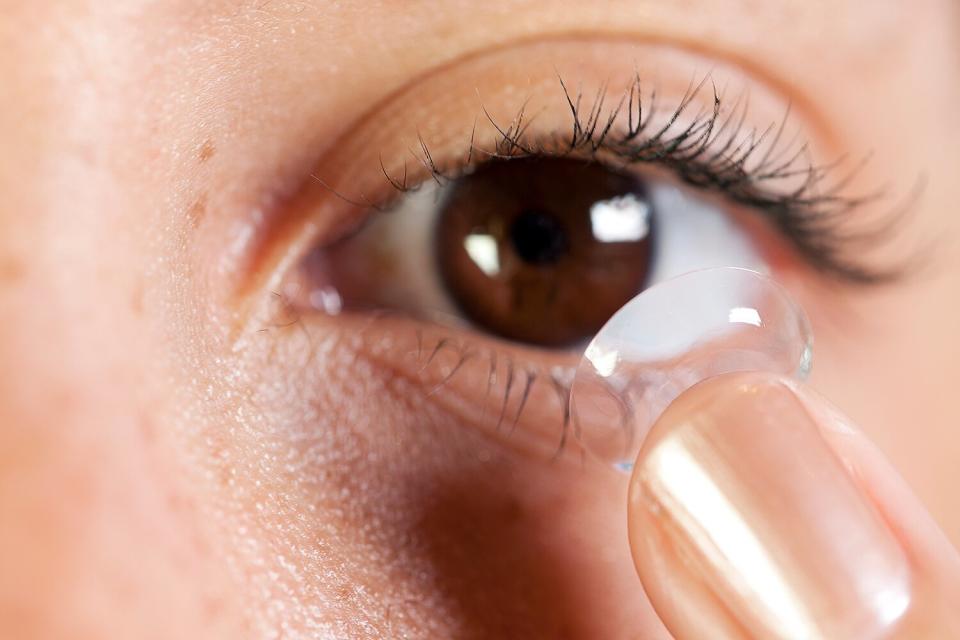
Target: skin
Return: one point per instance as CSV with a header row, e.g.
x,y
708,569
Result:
x,y
170,469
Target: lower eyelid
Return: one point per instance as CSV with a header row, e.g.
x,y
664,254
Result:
x,y
511,393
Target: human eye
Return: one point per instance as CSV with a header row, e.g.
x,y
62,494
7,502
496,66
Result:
x,y
472,246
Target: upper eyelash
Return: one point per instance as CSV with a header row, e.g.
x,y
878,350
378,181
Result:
x,y
712,152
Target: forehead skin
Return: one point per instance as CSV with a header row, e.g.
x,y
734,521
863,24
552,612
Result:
x,y
115,116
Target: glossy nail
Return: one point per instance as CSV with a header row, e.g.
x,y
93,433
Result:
x,y
746,524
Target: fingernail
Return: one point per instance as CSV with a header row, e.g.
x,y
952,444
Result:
x,y
746,524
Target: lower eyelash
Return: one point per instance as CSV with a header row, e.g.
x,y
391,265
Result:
x,y
516,392
436,361
518,388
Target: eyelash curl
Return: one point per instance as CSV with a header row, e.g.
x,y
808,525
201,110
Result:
x,y
713,153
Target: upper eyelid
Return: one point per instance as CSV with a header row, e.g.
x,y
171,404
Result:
x,y
311,206
596,132
420,150
712,151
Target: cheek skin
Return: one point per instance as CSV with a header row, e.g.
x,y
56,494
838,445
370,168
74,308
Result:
x,y
358,506
99,533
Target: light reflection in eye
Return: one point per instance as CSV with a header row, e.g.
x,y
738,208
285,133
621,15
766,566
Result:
x,y
483,250
620,219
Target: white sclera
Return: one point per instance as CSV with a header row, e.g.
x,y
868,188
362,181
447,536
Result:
x,y
672,336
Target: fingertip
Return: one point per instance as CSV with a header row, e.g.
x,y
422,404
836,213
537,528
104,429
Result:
x,y
746,521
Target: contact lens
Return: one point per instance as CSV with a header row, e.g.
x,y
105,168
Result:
x,y
672,336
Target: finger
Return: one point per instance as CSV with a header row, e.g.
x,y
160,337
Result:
x,y
757,511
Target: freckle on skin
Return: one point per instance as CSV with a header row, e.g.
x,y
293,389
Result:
x,y
136,301
197,210
147,429
207,150
11,270
211,608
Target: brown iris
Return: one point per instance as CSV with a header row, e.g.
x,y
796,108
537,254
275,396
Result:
x,y
543,251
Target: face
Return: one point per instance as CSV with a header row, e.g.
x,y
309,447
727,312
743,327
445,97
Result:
x,y
258,384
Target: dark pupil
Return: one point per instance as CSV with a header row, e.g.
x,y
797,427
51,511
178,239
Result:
x,y
538,237
522,253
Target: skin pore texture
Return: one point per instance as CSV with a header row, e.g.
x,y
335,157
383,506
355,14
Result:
x,y
184,456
